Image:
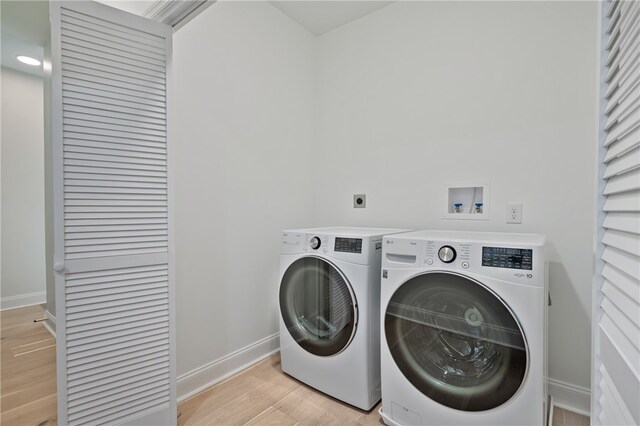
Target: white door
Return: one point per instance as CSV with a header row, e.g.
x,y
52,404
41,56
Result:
x,y
114,295
616,374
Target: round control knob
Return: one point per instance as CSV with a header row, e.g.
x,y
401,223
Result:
x,y
447,254
314,243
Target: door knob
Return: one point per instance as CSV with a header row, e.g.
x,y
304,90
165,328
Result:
x,y
58,266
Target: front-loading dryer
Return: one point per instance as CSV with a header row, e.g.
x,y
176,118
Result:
x,y
329,301
463,320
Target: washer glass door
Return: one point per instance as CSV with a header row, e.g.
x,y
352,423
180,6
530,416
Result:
x,y
456,341
318,306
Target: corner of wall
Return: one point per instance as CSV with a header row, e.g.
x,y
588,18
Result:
x,y
201,378
570,397
49,322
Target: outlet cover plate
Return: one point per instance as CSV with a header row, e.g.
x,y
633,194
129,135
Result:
x,y
514,213
359,201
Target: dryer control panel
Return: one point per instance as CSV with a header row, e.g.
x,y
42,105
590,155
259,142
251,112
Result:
x,y
358,250
348,245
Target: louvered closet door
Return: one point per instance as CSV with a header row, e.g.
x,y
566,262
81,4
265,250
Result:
x,y
616,393
115,317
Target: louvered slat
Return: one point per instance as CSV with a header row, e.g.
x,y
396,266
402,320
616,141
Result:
x,y
623,164
623,221
626,306
85,91
612,6
131,407
95,322
107,104
622,240
104,110
629,181
624,88
626,106
131,364
619,30
623,202
617,310
622,145
630,329
82,27
621,342
622,260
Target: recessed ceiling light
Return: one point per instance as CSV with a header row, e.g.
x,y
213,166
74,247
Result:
x,y
28,60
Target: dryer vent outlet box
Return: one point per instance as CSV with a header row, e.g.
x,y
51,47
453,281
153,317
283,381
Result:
x,y
466,200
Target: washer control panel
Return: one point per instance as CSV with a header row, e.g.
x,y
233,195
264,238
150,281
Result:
x,y
507,257
512,260
459,255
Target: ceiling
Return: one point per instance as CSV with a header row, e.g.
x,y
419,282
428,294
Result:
x,y
24,31
137,7
25,24
317,16
320,17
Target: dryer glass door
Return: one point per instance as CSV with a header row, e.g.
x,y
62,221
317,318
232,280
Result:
x,y
318,306
456,341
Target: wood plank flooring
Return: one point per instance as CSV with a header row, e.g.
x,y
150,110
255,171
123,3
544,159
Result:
x,y
28,369
263,395
260,395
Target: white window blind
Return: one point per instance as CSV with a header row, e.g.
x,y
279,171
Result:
x,y
115,316
616,393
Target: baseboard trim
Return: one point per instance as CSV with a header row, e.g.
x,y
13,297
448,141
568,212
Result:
x,y
199,379
22,300
570,397
49,322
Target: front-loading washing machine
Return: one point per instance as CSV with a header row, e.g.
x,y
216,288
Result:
x,y
463,329
329,301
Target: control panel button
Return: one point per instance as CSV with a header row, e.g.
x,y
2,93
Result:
x,y
314,243
447,254
429,261
465,265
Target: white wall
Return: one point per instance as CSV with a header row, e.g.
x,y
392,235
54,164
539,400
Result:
x,y
273,128
420,93
22,152
241,134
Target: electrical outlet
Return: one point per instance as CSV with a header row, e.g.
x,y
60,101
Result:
x,y
359,201
514,213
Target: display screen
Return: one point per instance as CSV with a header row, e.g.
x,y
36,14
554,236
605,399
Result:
x,y
504,257
348,245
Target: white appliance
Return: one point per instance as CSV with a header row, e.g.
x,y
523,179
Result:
x,y
463,329
329,302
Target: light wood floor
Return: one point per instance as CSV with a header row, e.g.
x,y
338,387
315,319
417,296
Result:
x,y
28,369
263,395
260,395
